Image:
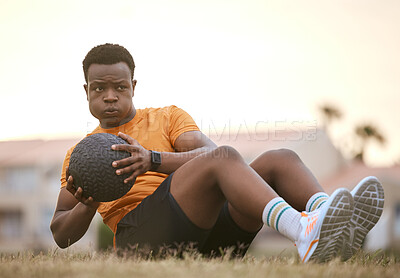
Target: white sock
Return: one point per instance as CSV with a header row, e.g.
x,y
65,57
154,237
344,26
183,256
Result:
x,y
316,201
280,216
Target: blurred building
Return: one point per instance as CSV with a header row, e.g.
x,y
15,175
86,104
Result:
x,y
313,146
29,186
30,182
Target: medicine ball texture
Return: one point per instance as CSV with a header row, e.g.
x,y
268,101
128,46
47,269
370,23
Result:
x,y
91,169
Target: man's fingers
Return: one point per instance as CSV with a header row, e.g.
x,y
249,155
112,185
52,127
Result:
x,y
127,138
132,177
125,162
78,193
123,136
126,148
128,169
88,201
136,170
121,147
70,189
136,166
70,185
70,180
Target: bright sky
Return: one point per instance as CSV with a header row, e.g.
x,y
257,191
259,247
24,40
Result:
x,y
228,63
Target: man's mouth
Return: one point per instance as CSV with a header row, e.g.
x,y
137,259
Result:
x,y
111,111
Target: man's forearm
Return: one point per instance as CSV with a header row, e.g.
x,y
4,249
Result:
x,y
171,161
69,226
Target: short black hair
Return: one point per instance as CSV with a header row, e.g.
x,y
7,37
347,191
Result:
x,y
108,54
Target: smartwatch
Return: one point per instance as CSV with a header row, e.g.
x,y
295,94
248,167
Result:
x,y
155,160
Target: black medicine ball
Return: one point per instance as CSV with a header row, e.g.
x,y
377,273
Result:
x,y
91,169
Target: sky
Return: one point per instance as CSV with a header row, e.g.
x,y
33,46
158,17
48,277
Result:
x,y
230,64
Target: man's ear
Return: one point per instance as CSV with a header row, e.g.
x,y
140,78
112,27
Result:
x,y
134,81
86,91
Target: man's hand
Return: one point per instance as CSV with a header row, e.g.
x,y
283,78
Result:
x,y
138,163
78,193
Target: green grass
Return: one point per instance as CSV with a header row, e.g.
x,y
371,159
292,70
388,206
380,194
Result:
x,y
97,265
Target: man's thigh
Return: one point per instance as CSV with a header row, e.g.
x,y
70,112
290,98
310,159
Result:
x,y
194,187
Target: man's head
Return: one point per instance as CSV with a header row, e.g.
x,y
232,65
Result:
x,y
110,85
108,54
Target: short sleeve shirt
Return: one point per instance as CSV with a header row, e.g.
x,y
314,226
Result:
x,y
155,129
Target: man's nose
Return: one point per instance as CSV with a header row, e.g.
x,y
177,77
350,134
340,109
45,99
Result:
x,y
110,96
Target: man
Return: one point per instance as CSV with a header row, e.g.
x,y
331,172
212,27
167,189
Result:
x,y
188,190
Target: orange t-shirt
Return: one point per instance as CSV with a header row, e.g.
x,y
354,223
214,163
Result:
x,y
155,129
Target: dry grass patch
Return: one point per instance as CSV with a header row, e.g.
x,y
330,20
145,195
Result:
x,y
99,265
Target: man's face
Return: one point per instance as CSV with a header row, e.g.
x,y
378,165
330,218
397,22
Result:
x,y
109,93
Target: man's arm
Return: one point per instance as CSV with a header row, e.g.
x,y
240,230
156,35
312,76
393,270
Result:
x,y
74,213
72,216
187,146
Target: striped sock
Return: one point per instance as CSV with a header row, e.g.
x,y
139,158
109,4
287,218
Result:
x,y
280,216
316,201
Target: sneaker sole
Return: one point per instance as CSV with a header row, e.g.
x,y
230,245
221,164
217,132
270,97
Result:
x,y
368,198
336,217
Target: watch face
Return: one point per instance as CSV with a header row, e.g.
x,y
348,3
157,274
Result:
x,y
155,158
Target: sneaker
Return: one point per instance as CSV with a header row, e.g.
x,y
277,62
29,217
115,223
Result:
x,y
320,236
368,206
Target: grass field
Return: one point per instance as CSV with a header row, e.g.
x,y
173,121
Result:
x,y
97,265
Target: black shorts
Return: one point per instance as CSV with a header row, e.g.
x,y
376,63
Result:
x,y
158,221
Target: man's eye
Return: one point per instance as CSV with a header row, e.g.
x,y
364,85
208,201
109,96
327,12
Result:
x,y
120,87
98,89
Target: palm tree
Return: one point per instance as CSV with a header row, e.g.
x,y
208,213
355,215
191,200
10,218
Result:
x,y
365,133
329,114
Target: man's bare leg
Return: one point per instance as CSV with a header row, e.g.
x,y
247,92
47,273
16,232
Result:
x,y
287,175
202,185
284,171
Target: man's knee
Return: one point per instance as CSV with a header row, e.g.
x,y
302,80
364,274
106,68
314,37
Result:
x,y
271,164
226,153
271,161
285,154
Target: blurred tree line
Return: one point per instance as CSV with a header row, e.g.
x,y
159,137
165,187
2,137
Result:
x,y
362,136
